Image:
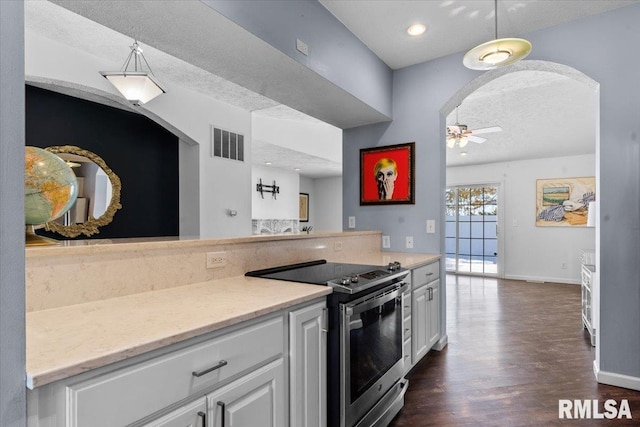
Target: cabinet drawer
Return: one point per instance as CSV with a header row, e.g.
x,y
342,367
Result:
x,y
425,274
406,353
406,304
406,328
147,387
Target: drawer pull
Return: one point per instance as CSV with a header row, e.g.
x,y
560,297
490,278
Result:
x,y
206,371
203,416
406,330
222,411
429,274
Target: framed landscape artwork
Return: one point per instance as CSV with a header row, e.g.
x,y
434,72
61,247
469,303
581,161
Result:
x,y
304,207
564,202
387,175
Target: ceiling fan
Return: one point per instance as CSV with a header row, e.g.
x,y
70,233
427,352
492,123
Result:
x,y
461,135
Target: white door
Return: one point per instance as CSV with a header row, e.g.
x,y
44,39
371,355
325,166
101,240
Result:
x,y
471,234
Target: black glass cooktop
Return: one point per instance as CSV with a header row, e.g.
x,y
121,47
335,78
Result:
x,y
318,272
321,272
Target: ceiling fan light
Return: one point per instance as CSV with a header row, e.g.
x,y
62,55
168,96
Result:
x,y
463,141
451,142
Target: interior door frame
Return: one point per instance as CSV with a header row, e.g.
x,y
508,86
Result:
x,y
501,257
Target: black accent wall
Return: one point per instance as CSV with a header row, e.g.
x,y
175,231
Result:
x,y
142,153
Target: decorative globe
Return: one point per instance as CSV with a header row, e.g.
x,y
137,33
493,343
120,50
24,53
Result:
x,y
50,186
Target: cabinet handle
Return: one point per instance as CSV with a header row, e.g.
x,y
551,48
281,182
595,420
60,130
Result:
x,y
430,294
429,274
206,371
325,320
222,411
407,307
406,330
204,418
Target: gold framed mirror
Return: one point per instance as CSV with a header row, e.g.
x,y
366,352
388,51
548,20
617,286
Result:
x,y
97,210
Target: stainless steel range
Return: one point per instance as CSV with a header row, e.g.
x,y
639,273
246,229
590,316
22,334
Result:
x,y
365,365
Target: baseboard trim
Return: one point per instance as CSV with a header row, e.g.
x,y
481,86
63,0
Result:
x,y
543,279
442,343
618,380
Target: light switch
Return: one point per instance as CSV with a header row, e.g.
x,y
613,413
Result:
x,y
431,226
386,242
352,222
409,242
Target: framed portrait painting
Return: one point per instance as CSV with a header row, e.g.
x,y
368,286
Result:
x,y
564,202
304,207
387,175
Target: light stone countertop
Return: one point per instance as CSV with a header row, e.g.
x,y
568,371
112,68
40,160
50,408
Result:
x,y
66,341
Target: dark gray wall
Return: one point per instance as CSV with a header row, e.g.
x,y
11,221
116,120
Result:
x,y
12,327
597,46
335,53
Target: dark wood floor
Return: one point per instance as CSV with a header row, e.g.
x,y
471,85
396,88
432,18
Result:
x,y
515,349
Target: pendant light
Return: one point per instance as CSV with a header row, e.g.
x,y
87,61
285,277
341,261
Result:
x,y
138,86
498,52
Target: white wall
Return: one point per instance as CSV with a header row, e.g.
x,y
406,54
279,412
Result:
x,y
223,184
317,139
286,205
327,204
530,252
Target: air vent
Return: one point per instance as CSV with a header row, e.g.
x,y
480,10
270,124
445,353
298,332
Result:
x,y
227,144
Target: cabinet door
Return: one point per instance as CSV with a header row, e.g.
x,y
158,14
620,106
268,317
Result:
x,y
308,366
257,399
433,315
190,415
419,317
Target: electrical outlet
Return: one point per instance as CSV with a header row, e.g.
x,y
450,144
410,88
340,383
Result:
x,y
352,222
337,246
431,226
216,259
302,47
386,242
409,242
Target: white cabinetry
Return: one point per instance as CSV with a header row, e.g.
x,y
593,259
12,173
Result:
x,y
587,275
192,415
257,399
239,371
425,311
308,366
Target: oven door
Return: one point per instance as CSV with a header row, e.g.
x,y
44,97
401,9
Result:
x,y
371,350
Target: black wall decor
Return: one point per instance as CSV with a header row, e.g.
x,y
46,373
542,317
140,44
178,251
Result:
x,y
142,153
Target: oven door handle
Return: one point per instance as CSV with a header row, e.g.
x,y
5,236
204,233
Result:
x,y
371,303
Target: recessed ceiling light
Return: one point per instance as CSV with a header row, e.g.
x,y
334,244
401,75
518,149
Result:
x,y
464,153
267,163
296,169
416,29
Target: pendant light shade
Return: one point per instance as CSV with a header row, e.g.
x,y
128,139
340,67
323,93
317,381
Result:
x,y
137,85
496,53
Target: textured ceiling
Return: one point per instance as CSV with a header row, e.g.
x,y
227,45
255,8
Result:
x,y
542,115
539,112
452,25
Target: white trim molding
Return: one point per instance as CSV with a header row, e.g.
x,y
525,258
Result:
x,y
618,380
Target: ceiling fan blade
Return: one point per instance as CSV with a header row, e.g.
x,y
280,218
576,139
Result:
x,y
486,130
476,139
